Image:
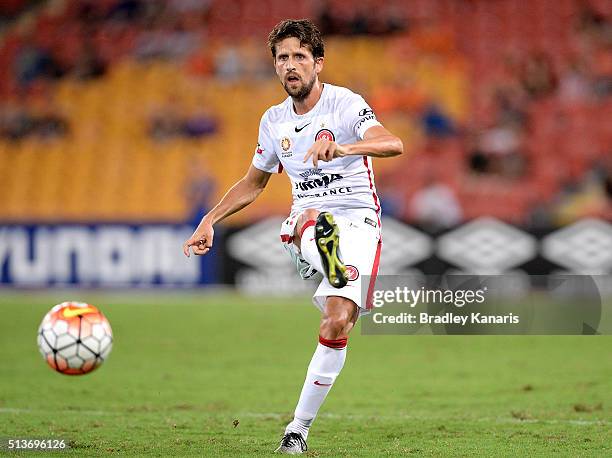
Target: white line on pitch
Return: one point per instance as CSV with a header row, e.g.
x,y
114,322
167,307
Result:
x,y
280,416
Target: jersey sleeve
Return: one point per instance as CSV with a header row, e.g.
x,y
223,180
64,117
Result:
x,y
358,116
265,157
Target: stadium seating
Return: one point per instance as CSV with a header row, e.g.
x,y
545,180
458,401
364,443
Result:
x,y
108,167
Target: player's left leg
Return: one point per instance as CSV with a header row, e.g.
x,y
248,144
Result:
x,y
339,316
360,243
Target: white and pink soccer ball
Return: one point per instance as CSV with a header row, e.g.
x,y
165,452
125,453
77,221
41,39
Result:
x,y
75,338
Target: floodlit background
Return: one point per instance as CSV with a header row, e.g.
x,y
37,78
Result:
x,y
145,112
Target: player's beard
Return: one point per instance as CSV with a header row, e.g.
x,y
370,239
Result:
x,y
300,93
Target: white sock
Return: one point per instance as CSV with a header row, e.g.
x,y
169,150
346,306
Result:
x,y
324,367
308,247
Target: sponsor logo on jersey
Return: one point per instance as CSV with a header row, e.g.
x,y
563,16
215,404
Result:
x,y
366,111
325,134
328,192
285,143
364,119
352,272
311,172
322,182
259,149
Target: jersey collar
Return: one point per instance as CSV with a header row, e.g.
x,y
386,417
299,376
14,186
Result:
x,y
313,110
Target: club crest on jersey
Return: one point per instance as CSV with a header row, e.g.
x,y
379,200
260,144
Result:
x,y
352,272
325,134
285,143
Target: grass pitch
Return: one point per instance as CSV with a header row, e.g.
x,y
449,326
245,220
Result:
x,y
219,375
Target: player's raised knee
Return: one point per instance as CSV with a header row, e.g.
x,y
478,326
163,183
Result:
x,y
310,214
306,218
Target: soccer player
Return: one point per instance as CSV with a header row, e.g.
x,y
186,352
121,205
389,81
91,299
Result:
x,y
324,136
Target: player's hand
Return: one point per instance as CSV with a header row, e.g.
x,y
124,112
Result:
x,y
324,150
201,240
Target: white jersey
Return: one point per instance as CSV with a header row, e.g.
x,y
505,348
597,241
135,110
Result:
x,y
285,137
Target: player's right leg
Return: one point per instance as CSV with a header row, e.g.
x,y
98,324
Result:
x,y
327,238
318,238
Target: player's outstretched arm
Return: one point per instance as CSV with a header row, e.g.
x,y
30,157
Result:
x,y
377,142
239,196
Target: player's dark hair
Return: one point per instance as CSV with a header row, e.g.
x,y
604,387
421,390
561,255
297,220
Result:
x,y
302,29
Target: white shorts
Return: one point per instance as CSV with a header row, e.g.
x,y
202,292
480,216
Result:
x,y
360,245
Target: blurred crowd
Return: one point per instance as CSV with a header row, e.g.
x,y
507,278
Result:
x,y
521,89
520,99
360,19
168,122
524,80
35,116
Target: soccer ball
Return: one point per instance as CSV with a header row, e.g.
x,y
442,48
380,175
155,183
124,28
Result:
x,y
74,338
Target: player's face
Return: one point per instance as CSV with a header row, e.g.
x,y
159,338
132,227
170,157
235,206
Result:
x,y
296,67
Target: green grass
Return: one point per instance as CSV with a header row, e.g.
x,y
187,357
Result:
x,y
185,367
